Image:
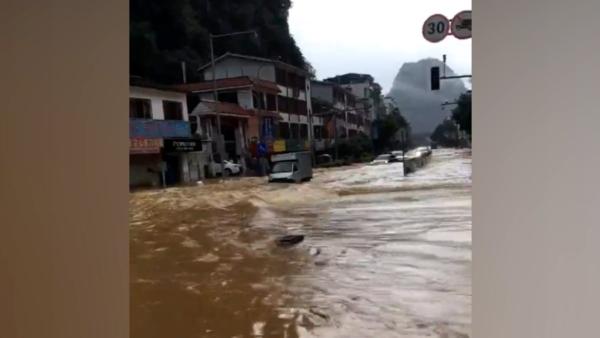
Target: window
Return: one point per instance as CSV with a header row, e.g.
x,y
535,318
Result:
x,y
351,101
271,102
318,132
301,107
301,82
284,131
292,106
303,131
294,130
173,110
283,107
280,77
140,108
230,97
284,167
267,127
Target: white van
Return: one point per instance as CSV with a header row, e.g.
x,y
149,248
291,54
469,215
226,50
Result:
x,y
291,167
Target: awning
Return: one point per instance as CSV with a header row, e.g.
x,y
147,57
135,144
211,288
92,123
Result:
x,y
223,108
229,84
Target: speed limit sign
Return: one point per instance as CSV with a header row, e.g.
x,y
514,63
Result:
x,y
436,28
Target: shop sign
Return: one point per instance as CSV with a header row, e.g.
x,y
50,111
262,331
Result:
x,y
141,128
144,146
183,145
279,146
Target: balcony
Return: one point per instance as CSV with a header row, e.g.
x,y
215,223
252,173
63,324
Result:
x,y
143,128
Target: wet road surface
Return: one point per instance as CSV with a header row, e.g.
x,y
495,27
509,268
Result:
x,y
384,255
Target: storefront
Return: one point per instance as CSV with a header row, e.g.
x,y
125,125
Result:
x,y
185,160
144,162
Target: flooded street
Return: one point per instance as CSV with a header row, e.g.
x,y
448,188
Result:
x,y
383,255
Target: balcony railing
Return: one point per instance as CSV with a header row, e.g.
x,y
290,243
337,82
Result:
x,y
143,128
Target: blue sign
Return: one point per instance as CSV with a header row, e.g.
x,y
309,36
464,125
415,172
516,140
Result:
x,y
142,128
262,149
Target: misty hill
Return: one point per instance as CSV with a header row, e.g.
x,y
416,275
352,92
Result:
x,y
417,102
162,33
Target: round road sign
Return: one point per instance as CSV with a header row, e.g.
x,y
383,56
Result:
x,y
436,28
461,25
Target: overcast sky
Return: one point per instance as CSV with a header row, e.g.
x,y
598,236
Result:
x,y
374,37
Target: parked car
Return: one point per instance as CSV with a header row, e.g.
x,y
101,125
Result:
x,y
231,168
385,159
398,154
424,150
324,159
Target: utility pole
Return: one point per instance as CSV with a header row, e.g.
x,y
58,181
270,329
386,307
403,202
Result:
x,y
220,145
346,113
335,131
311,136
221,138
183,71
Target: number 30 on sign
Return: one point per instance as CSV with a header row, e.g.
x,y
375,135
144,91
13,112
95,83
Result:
x,y
436,28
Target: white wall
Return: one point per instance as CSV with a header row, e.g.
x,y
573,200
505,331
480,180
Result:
x,y
157,97
294,118
358,89
235,67
289,92
207,96
245,98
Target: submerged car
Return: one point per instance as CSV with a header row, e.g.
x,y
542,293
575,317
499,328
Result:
x,y
385,159
324,159
398,155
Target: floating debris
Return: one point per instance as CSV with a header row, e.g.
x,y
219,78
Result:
x,y
289,240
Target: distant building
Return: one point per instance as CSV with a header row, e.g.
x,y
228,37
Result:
x,y
160,137
390,104
293,102
338,108
266,106
367,92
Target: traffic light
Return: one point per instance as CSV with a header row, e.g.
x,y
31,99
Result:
x,y
435,78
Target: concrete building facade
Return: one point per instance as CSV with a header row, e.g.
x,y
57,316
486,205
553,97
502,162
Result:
x,y
293,100
162,150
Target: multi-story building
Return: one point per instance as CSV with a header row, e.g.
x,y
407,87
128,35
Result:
x,y
338,107
248,112
390,104
162,150
291,102
367,92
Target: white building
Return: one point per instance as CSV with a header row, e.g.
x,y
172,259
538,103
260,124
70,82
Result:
x,y
160,137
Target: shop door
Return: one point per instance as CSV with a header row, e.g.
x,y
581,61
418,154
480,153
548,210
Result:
x,y
172,176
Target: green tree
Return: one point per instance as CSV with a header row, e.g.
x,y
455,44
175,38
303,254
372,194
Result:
x,y
164,33
462,113
446,134
356,147
388,128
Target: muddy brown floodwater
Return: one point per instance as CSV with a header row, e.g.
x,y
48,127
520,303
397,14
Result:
x,y
384,255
